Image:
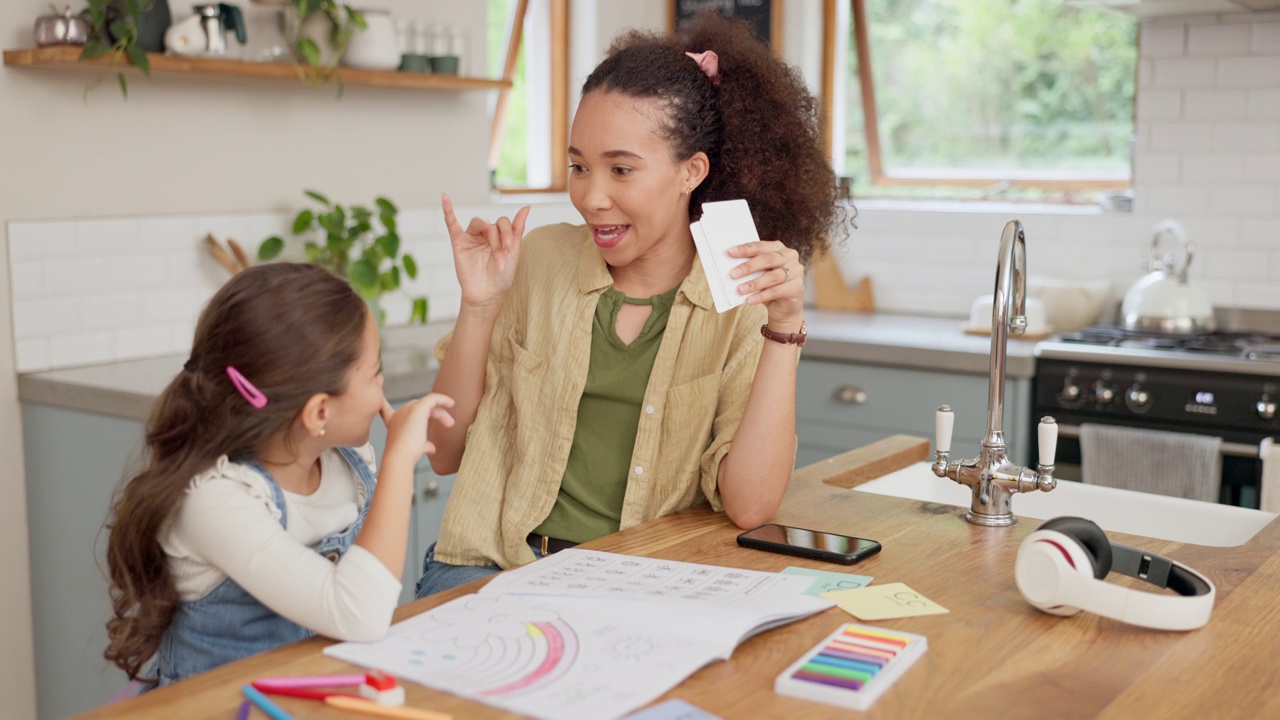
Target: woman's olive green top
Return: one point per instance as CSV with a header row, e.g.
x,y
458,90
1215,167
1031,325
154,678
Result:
x,y
518,447
595,480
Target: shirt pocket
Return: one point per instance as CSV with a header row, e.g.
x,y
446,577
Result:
x,y
687,425
530,411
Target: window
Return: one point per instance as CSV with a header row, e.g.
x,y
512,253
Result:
x,y
528,44
1023,99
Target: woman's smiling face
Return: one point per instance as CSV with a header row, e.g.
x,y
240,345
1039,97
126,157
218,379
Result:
x,y
623,180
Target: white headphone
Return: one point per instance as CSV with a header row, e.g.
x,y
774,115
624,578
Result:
x,y
1061,566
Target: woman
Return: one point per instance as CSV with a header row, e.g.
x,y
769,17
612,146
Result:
x,y
595,385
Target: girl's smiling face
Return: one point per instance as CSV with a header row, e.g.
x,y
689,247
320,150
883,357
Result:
x,y
623,180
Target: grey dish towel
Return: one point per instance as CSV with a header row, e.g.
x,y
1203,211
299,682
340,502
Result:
x,y
1154,461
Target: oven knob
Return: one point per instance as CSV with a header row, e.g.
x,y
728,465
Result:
x,y
1266,409
1103,395
1070,391
1137,399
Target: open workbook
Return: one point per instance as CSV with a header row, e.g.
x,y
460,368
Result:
x,y
584,634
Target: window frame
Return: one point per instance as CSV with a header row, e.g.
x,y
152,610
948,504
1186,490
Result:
x,y
832,65
558,101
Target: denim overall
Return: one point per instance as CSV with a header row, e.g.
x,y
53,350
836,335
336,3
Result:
x,y
227,623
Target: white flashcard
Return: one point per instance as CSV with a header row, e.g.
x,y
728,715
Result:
x,y
724,225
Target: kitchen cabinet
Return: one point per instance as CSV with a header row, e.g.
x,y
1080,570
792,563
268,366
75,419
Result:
x,y
64,57
843,405
75,461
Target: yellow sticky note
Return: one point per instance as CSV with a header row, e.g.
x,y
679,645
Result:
x,y
882,602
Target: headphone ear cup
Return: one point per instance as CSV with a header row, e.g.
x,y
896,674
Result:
x,y
1048,563
1089,536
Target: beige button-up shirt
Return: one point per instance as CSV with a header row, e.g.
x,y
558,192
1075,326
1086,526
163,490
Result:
x,y
518,446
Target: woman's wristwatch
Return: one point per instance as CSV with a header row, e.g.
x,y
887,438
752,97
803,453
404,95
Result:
x,y
786,338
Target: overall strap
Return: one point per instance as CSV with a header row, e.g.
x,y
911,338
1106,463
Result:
x,y
276,493
367,479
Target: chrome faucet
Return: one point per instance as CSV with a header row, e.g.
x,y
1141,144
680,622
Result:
x,y
991,476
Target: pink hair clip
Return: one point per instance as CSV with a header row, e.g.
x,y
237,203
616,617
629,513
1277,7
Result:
x,y
710,64
250,393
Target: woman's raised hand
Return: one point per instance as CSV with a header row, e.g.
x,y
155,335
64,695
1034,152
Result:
x,y
485,254
407,427
780,288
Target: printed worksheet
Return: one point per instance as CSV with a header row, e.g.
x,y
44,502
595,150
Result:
x,y
584,635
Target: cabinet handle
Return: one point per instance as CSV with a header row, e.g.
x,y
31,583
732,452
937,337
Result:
x,y
850,395
431,490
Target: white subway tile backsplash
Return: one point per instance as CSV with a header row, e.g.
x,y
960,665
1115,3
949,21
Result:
x,y
81,349
1247,137
1214,104
77,276
1206,169
1156,168
1263,234
1261,296
139,271
112,312
42,318
41,240
1266,38
165,234
1221,293
146,341
1242,200
28,280
1186,72
1263,168
1249,72
1159,105
1208,232
1217,40
1176,200
1264,104
97,238
33,355
1182,136
1159,42
165,306
1226,265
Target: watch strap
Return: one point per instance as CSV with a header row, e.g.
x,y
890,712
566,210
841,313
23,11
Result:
x,y
797,339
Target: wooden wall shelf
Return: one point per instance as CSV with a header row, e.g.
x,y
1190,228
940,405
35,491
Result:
x,y
67,57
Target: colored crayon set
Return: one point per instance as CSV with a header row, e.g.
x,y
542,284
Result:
x,y
852,666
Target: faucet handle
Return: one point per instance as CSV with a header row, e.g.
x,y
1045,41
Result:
x,y
1048,432
943,421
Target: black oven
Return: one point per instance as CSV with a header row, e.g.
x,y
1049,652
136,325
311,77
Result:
x,y
1233,397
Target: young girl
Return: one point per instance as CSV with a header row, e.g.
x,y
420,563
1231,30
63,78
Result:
x,y
596,385
258,520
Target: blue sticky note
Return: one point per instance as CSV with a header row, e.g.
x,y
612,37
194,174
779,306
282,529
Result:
x,y
824,581
674,709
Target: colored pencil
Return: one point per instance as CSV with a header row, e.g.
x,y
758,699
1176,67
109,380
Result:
x,y
372,708
311,681
271,709
298,692
243,712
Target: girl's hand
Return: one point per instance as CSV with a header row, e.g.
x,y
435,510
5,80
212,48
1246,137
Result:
x,y
485,255
780,288
407,427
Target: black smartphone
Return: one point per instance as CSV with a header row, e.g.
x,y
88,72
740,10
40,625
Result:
x,y
812,544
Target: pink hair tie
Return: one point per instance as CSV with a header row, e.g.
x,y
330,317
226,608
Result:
x,y
251,394
709,62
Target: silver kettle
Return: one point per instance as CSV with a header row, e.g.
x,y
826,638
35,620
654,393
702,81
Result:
x,y
1164,300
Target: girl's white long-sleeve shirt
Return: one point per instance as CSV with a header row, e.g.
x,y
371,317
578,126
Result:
x,y
228,525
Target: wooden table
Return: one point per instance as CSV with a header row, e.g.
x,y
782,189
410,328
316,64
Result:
x,y
991,656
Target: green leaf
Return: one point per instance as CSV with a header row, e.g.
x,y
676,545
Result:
x,y
315,254
93,49
138,57
363,275
133,8
388,221
390,279
124,85
410,266
122,30
390,244
386,206
270,248
309,51
362,214
317,197
302,223
419,314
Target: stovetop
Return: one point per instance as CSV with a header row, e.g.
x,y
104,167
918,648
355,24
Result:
x,y
1240,352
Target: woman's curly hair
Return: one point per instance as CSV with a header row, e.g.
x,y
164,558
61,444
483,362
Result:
x,y
759,126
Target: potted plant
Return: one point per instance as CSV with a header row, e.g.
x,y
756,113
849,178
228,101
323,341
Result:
x,y
358,243
114,29
327,29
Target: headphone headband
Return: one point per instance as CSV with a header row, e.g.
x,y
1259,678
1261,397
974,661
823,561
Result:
x,y
1057,573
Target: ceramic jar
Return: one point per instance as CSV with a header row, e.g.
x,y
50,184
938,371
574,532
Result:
x,y
376,47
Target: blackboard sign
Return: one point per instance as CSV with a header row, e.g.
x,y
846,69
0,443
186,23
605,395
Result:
x,y
765,16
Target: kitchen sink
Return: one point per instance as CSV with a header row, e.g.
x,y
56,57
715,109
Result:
x,y
1125,511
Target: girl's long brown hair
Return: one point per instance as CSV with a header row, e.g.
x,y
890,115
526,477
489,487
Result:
x,y
293,330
